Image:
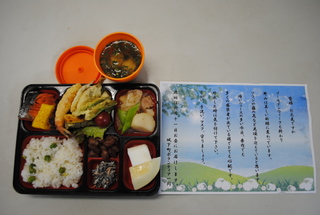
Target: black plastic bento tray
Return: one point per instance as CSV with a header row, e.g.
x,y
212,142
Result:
x,y
24,134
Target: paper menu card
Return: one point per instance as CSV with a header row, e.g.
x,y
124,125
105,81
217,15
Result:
x,y
234,138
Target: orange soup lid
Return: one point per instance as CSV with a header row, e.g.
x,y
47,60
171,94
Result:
x,y
76,65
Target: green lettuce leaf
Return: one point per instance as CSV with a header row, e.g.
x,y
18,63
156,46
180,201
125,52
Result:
x,y
90,131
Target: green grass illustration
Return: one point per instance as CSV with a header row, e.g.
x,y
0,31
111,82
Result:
x,y
196,177
283,174
192,172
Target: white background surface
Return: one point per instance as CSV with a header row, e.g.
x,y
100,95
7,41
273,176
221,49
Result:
x,y
206,41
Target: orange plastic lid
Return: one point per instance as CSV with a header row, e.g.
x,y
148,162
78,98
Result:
x,y
76,65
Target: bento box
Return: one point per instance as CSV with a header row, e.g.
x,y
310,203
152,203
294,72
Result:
x,y
90,164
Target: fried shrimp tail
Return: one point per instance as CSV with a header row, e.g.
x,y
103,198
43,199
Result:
x,y
63,108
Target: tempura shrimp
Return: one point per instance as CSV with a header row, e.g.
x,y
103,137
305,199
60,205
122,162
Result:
x,y
63,108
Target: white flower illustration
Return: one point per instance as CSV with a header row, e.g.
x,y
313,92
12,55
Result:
x,y
306,184
271,187
165,184
250,184
291,188
181,188
202,186
223,184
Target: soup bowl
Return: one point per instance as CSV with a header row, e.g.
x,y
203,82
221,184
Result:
x,y
112,38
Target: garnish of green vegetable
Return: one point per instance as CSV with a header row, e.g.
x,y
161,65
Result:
x,y
122,117
53,145
129,117
31,179
31,169
94,131
90,131
62,170
47,158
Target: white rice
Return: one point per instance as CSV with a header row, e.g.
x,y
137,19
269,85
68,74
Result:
x,y
67,154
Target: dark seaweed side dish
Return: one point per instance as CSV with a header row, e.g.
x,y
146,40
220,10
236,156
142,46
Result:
x,y
120,59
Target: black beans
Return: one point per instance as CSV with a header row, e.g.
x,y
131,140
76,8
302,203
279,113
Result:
x,y
93,142
92,154
110,140
105,148
105,155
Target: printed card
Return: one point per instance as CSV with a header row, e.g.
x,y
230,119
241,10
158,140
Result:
x,y
231,138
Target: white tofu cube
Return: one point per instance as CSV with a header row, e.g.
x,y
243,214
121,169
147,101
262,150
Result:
x,y
139,154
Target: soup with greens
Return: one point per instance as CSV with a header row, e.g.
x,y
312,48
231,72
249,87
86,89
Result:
x,y
120,58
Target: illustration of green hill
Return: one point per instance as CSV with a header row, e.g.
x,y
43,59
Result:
x,y
193,173
287,174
